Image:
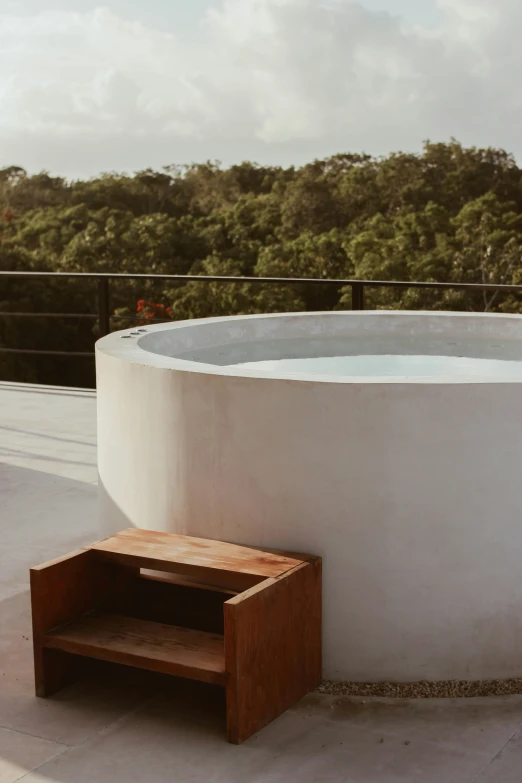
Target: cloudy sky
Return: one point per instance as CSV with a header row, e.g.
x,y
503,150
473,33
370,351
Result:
x,y
88,86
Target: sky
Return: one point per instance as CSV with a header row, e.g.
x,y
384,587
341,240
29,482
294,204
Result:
x,y
123,85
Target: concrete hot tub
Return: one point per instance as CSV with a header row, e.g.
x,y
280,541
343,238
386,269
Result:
x,y
389,443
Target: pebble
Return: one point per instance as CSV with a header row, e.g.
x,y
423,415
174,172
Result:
x,y
445,689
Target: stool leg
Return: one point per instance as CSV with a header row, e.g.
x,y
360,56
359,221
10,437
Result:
x,y
272,648
61,591
54,670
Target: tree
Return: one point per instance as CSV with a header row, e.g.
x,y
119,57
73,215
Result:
x,y
449,214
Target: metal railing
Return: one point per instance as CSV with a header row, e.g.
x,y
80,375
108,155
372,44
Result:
x,y
104,316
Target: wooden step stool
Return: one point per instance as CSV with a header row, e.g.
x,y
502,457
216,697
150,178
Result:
x,y
246,619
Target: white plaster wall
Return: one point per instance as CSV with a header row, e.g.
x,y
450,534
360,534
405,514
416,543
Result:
x,y
411,492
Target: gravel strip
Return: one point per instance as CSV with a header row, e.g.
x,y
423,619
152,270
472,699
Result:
x,y
448,689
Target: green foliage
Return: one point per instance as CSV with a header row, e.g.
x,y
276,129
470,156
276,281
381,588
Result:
x,y
450,214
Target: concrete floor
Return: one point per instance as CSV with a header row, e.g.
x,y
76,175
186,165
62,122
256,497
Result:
x,y
128,726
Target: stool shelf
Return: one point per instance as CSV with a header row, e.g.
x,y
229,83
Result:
x,y
168,649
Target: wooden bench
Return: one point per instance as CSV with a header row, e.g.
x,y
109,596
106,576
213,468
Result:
x,y
243,618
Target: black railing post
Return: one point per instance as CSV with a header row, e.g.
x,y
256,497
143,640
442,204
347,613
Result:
x,y
104,319
357,296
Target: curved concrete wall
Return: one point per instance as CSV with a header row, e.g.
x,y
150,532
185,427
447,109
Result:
x,y
411,491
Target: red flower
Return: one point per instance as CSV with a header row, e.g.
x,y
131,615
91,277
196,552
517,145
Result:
x,y
150,310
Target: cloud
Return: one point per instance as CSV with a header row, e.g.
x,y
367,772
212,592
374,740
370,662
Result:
x,y
268,79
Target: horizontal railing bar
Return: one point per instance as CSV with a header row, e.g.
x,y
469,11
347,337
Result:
x,y
48,315
268,280
91,316
47,353
46,388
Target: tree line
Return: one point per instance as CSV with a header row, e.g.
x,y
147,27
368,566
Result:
x,y
449,214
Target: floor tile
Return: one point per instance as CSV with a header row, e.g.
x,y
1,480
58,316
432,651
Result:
x,y
20,754
183,738
506,767
51,433
44,512
483,723
75,713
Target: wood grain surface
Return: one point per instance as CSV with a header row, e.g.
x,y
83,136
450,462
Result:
x,y
157,647
272,648
169,549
